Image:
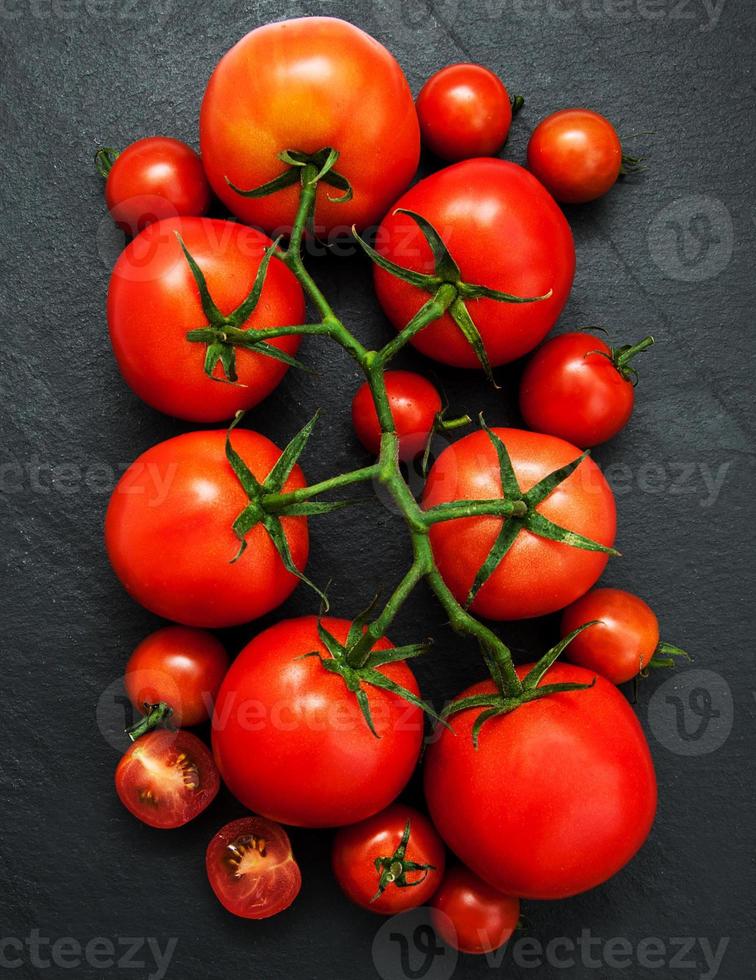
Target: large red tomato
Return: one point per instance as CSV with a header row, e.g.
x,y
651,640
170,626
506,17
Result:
x,y
154,301
304,85
505,232
291,741
536,576
169,536
558,796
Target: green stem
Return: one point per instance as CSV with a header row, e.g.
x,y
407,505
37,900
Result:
x,y
277,501
498,508
442,300
157,715
629,352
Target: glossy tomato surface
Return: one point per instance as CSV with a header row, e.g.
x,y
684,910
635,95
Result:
x,y
559,795
414,404
470,915
306,84
504,231
536,576
291,742
169,537
152,284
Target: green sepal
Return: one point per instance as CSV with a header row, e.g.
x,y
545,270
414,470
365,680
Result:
x,y
286,179
509,483
538,524
209,308
665,656
506,537
461,316
548,484
287,460
273,526
444,265
419,279
398,654
536,675
393,870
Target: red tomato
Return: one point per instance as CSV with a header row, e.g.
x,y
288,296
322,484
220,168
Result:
x,y
167,778
415,404
470,915
305,85
181,667
168,532
152,283
376,872
558,796
536,576
475,206
155,178
622,642
464,111
291,742
576,154
251,868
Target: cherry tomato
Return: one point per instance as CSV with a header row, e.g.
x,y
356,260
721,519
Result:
x,y
251,868
576,154
167,778
475,206
169,536
622,642
385,868
536,576
558,796
291,741
464,111
154,178
304,85
181,667
470,915
152,283
415,405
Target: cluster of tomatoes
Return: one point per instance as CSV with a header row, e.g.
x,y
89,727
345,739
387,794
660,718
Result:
x,y
542,789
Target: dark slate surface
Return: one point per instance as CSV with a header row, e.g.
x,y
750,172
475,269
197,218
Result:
x,y
670,254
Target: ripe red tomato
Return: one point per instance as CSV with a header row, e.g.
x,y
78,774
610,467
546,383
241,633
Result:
x,y
169,537
154,178
291,741
415,404
167,778
304,85
536,576
464,111
475,206
251,868
470,915
382,869
576,154
181,667
152,283
622,642
558,796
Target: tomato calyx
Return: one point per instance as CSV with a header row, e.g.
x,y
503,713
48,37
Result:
x,y
518,101
665,656
105,157
300,166
155,716
448,290
631,165
620,357
394,870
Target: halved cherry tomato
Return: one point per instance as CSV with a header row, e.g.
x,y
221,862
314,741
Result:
x,y
470,915
251,868
414,404
167,778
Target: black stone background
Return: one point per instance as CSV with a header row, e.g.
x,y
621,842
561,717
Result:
x,y
78,74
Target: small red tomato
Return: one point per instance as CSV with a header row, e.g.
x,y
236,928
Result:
x,y
167,778
154,178
470,915
414,403
464,112
180,666
580,389
576,154
390,862
251,868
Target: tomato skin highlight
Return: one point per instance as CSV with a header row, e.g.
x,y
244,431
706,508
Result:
x,y
470,915
154,178
152,283
571,389
414,404
167,778
568,784
251,868
306,84
291,742
536,576
576,154
622,642
169,537
356,848
464,112
474,206
179,666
